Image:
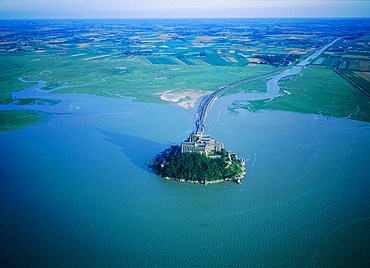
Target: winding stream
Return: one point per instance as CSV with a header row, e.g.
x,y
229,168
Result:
x,y
273,88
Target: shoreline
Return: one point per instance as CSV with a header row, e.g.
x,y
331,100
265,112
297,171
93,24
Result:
x,y
236,180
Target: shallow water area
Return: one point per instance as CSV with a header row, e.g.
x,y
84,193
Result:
x,y
76,190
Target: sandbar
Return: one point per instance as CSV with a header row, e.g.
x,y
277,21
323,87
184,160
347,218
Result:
x,y
184,98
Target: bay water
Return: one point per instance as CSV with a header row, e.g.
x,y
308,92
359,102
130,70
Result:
x,y
76,190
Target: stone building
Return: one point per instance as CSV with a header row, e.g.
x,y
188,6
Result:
x,y
200,143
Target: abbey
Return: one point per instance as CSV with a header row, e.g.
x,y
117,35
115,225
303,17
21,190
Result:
x,y
202,144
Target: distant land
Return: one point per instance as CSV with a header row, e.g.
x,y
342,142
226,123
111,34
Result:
x,y
181,60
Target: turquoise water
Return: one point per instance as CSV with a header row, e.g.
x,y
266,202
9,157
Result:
x,y
76,191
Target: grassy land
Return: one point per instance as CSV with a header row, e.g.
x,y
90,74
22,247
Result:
x,y
156,60
13,120
320,91
355,77
255,85
13,67
143,81
124,77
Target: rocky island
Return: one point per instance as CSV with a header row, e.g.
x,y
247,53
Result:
x,y
199,159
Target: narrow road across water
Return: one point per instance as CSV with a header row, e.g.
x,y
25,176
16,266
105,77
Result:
x,y
272,87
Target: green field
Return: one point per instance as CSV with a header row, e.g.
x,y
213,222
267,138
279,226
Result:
x,y
126,77
155,60
356,80
186,61
13,120
135,77
319,91
129,77
141,61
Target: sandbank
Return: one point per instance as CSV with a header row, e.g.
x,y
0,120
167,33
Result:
x,y
185,98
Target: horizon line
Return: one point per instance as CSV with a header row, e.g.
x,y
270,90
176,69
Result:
x,y
186,18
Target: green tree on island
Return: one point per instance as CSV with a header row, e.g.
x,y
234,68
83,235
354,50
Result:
x,y
198,167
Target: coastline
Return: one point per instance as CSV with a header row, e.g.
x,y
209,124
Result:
x,y
237,180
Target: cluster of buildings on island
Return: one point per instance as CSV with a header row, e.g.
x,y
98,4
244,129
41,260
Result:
x,y
196,143
202,144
